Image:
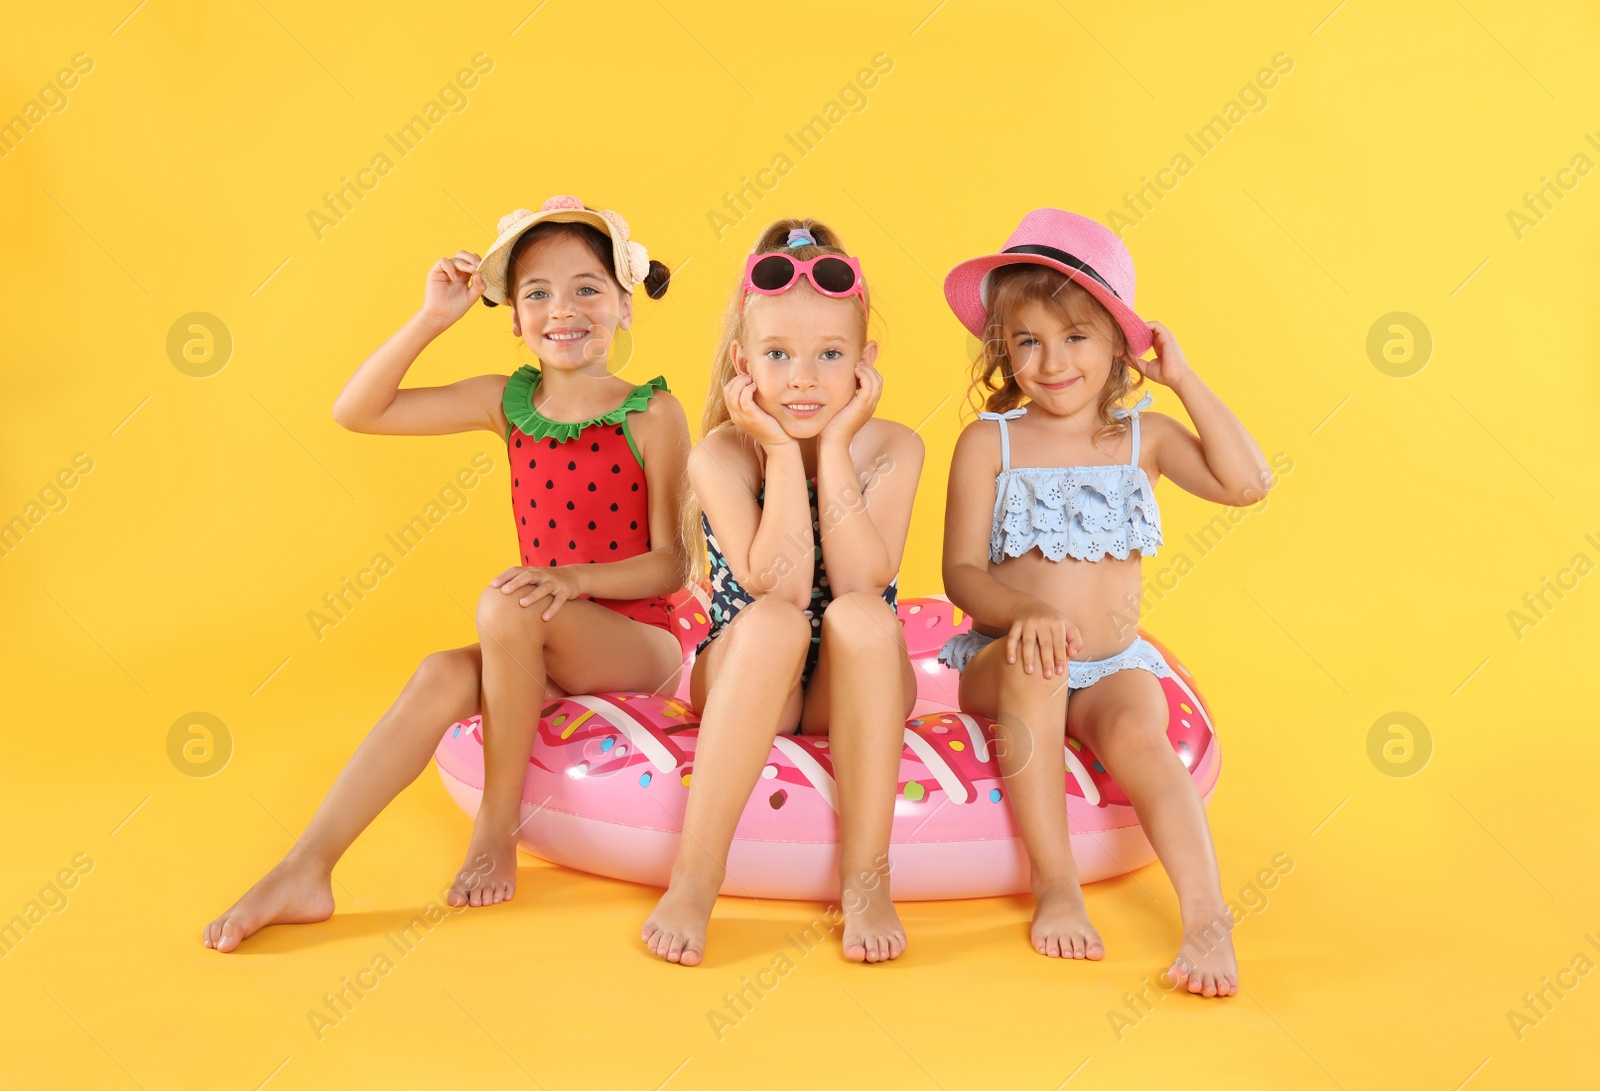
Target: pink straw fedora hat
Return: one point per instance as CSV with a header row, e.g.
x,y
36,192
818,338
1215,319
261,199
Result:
x,y
1084,251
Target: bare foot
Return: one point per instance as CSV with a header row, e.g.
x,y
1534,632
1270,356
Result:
x,y
1206,960
1061,927
676,930
872,930
298,891
489,874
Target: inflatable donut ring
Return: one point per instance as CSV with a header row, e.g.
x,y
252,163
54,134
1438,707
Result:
x,y
609,775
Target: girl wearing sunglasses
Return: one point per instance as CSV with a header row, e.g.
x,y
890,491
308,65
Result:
x,y
804,501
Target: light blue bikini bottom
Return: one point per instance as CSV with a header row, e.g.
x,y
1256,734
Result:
x,y
1140,655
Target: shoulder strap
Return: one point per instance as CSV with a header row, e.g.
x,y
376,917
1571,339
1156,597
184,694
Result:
x,y
1133,418
1005,434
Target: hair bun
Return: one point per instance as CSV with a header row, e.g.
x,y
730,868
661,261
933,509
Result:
x,y
655,281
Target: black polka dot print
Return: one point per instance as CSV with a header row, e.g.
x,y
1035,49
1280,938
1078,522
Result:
x,y
587,507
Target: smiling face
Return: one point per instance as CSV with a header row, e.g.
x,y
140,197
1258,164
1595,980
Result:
x,y
1060,364
801,348
567,304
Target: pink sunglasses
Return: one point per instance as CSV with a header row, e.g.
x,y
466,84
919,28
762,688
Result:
x,y
775,272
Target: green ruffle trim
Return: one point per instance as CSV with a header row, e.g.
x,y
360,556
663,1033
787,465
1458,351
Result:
x,y
518,405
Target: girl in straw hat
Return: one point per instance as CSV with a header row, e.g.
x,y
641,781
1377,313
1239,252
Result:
x,y
597,466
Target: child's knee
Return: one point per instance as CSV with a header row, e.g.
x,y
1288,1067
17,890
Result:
x,y
861,624
1018,682
773,624
456,669
504,620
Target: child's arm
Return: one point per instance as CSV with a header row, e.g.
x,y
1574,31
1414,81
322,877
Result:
x,y
372,400
864,526
1221,464
768,545
1035,629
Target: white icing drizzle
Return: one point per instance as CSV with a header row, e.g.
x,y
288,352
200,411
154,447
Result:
x,y
936,765
809,768
1081,775
1194,701
637,733
980,741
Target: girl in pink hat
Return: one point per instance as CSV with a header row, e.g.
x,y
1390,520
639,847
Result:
x,y
597,466
802,498
1051,507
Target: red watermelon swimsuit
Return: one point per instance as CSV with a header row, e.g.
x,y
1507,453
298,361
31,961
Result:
x,y
578,488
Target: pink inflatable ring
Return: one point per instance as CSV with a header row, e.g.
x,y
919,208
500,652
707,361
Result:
x,y
609,775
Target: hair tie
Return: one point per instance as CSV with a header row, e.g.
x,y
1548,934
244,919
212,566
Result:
x,y
799,236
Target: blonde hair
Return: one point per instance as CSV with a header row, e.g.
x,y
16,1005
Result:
x,y
994,382
716,416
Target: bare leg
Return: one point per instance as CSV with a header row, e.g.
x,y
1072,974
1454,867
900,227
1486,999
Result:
x,y
1030,714
758,656
1123,719
299,889
862,647
586,648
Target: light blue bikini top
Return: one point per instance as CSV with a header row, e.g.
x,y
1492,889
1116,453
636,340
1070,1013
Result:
x,y
1085,512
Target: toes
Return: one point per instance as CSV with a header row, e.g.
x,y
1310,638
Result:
x,y
1097,950
690,956
854,949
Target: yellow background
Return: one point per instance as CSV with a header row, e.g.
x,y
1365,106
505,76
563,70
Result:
x,y
1377,579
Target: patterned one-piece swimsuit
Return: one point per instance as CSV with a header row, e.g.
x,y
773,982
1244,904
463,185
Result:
x,y
728,598
579,490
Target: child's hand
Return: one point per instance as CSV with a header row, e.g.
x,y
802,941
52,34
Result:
x,y
1043,636
556,584
859,409
750,418
452,287
1170,365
